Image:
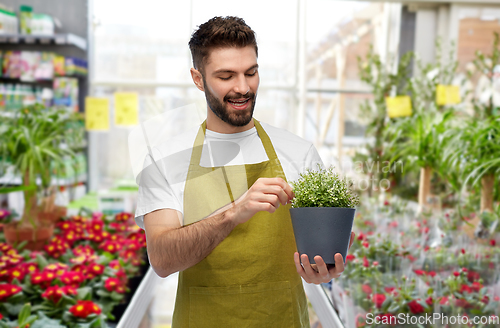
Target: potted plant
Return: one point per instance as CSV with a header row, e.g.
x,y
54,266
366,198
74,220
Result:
x,y
323,213
32,142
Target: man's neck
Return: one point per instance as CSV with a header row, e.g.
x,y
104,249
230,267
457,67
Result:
x,y
217,125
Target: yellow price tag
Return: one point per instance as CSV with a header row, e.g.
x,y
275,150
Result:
x,y
126,108
96,114
447,94
398,106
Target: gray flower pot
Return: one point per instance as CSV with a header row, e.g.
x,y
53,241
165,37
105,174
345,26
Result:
x,y
323,231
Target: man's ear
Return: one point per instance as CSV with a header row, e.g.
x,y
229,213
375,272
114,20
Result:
x,y
197,79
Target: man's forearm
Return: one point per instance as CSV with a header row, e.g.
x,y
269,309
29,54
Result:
x,y
178,249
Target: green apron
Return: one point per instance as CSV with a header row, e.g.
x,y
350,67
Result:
x,y
249,279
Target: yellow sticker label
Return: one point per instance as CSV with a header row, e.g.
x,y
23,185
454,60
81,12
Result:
x,y
447,94
398,106
126,109
96,114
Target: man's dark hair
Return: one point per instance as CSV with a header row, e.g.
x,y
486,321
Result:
x,y
220,32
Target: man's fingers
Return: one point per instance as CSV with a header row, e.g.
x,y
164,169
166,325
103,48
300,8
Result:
x,y
300,269
353,235
307,266
278,191
339,265
322,269
280,182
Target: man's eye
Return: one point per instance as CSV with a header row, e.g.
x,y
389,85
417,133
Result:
x,y
224,78
252,74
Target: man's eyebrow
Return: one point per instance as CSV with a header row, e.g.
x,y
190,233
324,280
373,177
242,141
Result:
x,y
222,70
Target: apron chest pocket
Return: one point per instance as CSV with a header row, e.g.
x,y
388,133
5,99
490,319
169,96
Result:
x,y
259,305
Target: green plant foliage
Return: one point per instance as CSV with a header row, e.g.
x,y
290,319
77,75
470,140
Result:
x,y
383,82
33,140
485,66
323,188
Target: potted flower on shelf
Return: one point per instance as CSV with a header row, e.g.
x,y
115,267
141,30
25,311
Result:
x,y
32,143
323,213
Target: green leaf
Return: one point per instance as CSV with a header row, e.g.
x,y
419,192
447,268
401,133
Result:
x,y
45,322
83,293
103,293
13,310
42,262
24,314
116,296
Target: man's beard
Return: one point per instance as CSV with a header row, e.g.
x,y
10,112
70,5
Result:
x,y
235,118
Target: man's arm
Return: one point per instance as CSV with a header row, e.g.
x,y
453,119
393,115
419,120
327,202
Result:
x,y
173,248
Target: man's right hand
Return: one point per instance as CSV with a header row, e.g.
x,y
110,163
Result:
x,y
266,194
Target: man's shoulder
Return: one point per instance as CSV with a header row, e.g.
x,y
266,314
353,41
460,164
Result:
x,y
284,137
179,143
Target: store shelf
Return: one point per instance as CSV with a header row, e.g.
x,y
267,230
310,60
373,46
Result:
x,y
57,39
13,180
40,81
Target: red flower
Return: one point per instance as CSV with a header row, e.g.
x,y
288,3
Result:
x,y
485,299
138,236
44,279
419,272
349,257
493,242
456,273
361,236
389,289
366,244
119,226
83,309
429,301
66,225
123,216
115,264
7,290
443,300
476,286
72,278
16,273
432,273
96,225
53,294
378,299
375,263
366,263
366,289
462,303
114,284
83,250
473,276
110,246
463,251
30,267
5,247
415,307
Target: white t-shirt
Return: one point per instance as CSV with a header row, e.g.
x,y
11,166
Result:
x,y
162,185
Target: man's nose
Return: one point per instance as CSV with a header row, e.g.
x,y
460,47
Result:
x,y
241,86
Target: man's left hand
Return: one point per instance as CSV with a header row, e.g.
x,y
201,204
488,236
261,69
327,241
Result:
x,y
320,273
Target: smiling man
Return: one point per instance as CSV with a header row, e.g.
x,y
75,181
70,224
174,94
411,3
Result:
x,y
226,226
